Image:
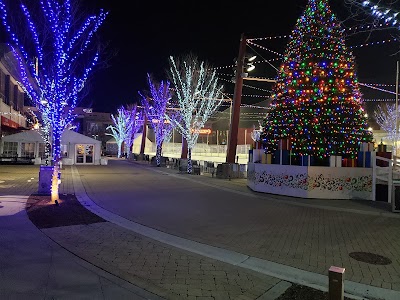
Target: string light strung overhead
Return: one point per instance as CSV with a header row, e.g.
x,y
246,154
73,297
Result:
x,y
380,100
278,59
351,30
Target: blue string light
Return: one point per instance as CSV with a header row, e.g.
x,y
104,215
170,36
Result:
x,y
158,109
53,70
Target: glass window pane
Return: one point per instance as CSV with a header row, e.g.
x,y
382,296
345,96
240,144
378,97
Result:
x,y
42,150
10,149
27,149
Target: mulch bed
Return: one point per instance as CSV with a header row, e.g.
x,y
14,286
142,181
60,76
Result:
x,y
299,292
46,214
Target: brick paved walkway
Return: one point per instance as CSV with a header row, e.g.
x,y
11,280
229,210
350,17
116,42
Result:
x,y
221,213
305,237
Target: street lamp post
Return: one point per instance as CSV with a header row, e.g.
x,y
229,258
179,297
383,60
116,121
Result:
x,y
237,98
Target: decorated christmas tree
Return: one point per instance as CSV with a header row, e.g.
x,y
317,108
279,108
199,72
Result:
x,y
316,101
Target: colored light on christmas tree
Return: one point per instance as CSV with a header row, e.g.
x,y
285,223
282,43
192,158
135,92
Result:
x,y
317,100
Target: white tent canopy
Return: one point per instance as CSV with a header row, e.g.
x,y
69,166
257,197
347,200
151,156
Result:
x,y
77,148
30,136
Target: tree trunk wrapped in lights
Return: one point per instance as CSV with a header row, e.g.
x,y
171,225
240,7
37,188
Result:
x,y
317,100
53,45
43,127
158,155
134,121
127,122
385,116
157,107
197,94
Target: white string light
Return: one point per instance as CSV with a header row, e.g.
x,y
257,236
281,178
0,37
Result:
x,y
119,128
361,28
266,49
385,115
376,88
381,84
388,15
379,100
194,85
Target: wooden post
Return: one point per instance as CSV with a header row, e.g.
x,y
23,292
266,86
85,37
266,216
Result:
x,y
237,99
143,143
396,110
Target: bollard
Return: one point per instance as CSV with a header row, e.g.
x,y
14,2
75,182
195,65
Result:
x,y
336,283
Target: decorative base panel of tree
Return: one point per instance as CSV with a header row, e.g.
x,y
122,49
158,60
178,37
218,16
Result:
x,y
286,157
229,171
311,182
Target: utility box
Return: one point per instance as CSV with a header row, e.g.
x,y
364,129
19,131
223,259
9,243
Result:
x,y
45,180
228,171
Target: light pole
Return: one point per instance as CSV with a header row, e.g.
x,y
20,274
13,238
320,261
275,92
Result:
x,y
240,75
237,98
397,114
230,113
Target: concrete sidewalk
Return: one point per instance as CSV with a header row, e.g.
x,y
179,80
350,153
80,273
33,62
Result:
x,y
166,264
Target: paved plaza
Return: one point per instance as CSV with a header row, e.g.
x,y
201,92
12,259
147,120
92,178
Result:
x,y
177,236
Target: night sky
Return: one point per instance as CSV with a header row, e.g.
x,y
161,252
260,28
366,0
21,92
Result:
x,y
143,35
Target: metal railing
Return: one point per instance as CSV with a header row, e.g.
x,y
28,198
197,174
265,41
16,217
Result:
x,y
207,152
201,149
386,171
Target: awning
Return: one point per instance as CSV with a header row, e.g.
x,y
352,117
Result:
x,y
9,123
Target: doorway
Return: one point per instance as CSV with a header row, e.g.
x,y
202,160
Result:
x,y
84,153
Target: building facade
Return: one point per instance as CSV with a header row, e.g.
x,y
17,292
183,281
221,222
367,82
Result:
x,y
12,96
93,124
